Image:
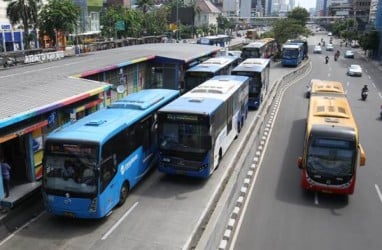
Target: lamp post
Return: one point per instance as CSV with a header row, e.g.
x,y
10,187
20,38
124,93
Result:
x,y
177,20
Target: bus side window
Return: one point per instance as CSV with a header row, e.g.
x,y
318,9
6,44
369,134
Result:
x,y
108,171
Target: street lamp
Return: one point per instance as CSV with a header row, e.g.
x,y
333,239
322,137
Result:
x,y
177,20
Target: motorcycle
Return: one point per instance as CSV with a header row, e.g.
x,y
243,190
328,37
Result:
x,y
364,95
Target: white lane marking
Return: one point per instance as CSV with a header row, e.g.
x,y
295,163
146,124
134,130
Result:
x,y
347,83
380,95
30,71
316,199
372,83
21,228
378,192
111,230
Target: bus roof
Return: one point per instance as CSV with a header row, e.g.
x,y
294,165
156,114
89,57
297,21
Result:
x,y
331,111
326,86
292,46
259,43
102,124
253,64
213,64
208,96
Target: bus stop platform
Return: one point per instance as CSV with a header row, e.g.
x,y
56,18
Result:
x,y
19,193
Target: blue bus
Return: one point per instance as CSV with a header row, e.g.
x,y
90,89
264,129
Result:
x,y
304,42
196,129
90,165
292,54
257,69
201,72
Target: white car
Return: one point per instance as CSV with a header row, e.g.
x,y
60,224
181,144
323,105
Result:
x,y
349,54
329,47
354,70
317,49
330,34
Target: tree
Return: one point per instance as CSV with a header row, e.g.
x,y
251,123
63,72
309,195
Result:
x,y
299,14
370,41
58,15
288,28
108,21
26,12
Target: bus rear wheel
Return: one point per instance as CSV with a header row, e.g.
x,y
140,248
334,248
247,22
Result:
x,y
123,193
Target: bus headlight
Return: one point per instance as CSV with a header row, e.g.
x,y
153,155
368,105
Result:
x,y
93,206
166,159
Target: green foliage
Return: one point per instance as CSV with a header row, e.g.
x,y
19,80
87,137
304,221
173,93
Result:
x,y
369,41
156,21
109,18
299,14
344,28
288,28
58,15
224,23
24,12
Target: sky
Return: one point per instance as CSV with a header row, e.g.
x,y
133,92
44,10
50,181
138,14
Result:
x,y
306,3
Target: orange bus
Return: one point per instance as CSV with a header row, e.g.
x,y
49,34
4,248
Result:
x,y
325,87
332,151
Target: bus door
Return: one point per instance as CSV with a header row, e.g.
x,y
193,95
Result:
x,y
147,134
229,114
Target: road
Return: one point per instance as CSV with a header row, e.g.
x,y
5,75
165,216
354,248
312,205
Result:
x,y
162,212
278,214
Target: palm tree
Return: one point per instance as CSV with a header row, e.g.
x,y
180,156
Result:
x,y
24,12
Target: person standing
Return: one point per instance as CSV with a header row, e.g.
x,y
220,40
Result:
x,y
6,173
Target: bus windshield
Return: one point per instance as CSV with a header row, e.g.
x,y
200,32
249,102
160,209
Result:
x,y
251,53
184,137
290,53
331,157
255,83
193,79
70,170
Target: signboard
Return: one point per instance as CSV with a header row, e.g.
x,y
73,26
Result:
x,y
120,25
5,26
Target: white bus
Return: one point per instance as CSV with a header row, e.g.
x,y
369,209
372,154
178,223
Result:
x,y
196,129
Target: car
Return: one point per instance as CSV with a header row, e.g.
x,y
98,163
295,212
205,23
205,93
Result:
x,y
349,54
330,34
317,49
329,47
354,70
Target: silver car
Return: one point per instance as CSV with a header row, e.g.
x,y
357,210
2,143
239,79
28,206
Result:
x,y
354,70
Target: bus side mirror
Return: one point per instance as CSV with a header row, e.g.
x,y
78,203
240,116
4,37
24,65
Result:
x,y
362,160
299,162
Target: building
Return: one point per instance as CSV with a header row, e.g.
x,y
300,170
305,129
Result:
x,y
206,13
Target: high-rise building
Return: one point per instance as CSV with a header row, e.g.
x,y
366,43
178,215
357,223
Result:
x,y
245,8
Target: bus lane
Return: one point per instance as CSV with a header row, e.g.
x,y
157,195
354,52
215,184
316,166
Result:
x,y
279,214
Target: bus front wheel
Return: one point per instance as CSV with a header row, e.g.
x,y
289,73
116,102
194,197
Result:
x,y
123,193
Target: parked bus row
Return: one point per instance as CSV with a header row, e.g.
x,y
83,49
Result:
x,y
257,69
332,151
91,165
